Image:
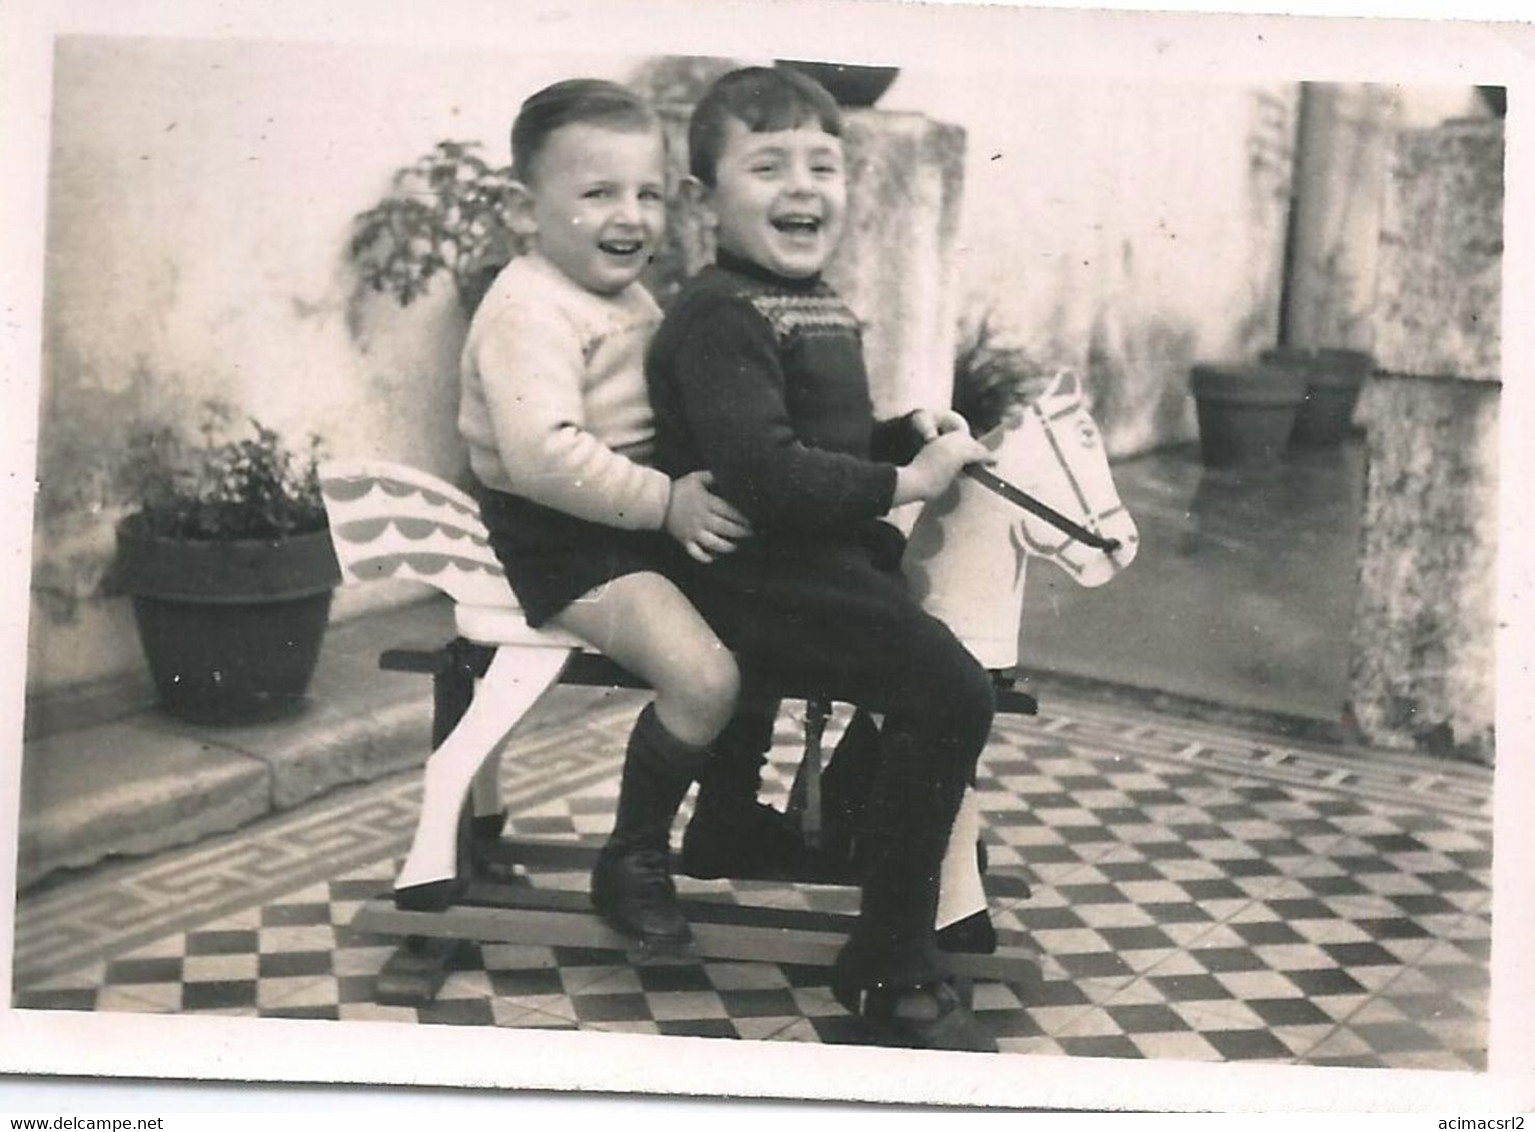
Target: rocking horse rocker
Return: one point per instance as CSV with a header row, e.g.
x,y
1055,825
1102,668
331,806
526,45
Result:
x,y
1049,494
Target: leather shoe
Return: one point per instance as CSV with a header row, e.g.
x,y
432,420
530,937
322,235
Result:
x,y
632,889
932,1016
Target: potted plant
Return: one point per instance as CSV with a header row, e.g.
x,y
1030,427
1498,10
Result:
x,y
227,557
1246,413
1333,379
445,213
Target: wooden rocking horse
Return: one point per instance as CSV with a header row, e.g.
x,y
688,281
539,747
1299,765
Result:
x,y
1050,494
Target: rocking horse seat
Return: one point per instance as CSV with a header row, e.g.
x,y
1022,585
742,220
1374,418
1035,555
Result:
x,y
504,625
493,626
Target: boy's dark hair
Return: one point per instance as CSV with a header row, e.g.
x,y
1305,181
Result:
x,y
593,102
763,99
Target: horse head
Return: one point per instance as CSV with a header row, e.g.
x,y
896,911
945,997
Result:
x,y
966,556
1053,450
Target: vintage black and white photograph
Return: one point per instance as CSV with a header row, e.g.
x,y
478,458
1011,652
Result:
x,y
842,551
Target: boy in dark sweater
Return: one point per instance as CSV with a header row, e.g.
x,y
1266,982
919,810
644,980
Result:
x,y
757,376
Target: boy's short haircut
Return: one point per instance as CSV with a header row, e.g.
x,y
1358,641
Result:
x,y
592,102
764,100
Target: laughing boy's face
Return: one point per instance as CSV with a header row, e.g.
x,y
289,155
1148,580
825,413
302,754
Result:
x,y
598,203
779,198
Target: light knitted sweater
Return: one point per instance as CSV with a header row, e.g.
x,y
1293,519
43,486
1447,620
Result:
x,y
553,403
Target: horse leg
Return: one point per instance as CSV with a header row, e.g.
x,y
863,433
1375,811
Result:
x,y
962,920
453,693
489,814
517,677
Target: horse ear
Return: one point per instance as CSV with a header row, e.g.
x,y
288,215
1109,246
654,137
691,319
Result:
x,y
1065,384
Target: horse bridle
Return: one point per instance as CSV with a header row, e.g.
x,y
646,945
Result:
x,y
1020,498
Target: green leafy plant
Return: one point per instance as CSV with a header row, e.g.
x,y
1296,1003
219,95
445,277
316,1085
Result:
x,y
445,213
990,376
237,479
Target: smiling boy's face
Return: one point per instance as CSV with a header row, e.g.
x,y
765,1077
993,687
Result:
x,y
779,198
597,202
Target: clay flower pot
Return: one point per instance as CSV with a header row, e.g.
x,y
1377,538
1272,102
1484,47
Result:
x,y
1246,413
231,628
850,85
1333,381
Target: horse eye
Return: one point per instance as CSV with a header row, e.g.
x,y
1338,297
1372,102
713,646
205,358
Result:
x,y
1088,434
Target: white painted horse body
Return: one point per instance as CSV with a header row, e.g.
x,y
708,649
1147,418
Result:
x,y
965,558
968,552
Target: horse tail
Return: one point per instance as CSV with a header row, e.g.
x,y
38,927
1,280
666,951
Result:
x,y
392,521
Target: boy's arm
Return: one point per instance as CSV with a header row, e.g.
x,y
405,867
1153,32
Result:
x,y
529,369
899,439
896,440
731,386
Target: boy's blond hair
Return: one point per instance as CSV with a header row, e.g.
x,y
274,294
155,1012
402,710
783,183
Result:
x,y
592,102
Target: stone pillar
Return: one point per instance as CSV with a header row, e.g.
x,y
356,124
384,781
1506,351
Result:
x,y
1422,666
896,266
1343,158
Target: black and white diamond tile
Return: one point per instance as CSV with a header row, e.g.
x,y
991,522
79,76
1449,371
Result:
x,y
1198,894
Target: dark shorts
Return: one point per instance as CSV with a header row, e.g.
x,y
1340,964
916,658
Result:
x,y
552,558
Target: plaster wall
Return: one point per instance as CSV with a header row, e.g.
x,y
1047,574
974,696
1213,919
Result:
x,y
1123,229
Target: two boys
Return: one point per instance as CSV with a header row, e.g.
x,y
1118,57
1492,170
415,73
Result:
x,y
757,384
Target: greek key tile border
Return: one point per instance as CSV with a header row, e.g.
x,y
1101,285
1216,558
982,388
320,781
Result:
x,y
121,906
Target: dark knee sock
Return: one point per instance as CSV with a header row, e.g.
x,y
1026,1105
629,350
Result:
x,y
658,769
732,777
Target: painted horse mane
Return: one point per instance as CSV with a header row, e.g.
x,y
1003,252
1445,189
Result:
x,y
967,554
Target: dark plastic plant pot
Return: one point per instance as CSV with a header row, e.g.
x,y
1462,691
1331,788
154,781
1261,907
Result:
x,y
1246,413
231,630
850,85
1333,381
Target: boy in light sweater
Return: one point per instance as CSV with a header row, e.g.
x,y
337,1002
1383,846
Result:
x,y
559,428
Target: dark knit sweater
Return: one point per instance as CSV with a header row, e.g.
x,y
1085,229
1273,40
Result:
x,y
761,381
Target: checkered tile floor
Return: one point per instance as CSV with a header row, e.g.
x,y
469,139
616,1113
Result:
x,y
1198,894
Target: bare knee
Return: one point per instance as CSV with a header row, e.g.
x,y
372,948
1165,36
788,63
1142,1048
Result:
x,y
700,695
717,688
